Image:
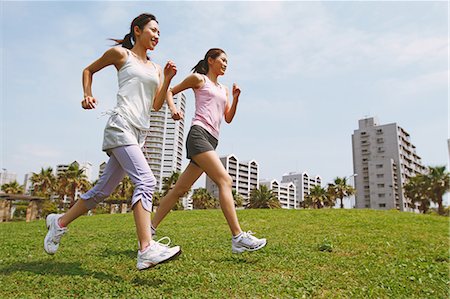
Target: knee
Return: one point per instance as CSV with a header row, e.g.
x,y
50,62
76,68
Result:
x,y
225,182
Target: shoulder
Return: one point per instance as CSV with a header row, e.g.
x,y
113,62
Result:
x,y
117,52
196,80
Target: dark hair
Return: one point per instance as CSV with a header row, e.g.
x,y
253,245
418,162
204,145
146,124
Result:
x,y
202,66
129,38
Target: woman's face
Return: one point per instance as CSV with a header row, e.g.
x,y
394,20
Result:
x,y
149,35
219,64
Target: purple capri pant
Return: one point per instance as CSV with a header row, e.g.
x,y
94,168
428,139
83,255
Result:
x,y
128,159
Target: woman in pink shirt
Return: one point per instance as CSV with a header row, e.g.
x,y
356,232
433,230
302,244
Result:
x,y
211,105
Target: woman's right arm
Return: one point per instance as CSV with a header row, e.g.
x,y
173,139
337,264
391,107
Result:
x,y
115,56
192,81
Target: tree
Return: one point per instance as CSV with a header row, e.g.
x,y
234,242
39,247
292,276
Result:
x,y
202,199
316,197
416,189
44,182
340,189
73,180
238,199
438,184
263,198
12,188
168,183
124,190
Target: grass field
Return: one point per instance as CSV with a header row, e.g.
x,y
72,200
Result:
x,y
310,254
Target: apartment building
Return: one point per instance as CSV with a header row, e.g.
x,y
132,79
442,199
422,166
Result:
x,y
383,159
245,175
303,183
164,143
286,192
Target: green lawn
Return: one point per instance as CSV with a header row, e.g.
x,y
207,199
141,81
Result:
x,y
374,254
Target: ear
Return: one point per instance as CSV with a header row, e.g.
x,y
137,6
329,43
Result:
x,y
210,60
137,31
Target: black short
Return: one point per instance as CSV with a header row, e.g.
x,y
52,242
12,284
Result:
x,y
199,141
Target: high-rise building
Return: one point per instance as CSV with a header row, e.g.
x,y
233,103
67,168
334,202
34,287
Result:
x,y
163,147
245,175
7,177
86,167
383,159
101,169
303,184
285,192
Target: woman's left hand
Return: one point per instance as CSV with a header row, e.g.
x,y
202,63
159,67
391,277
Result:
x,y
236,91
177,115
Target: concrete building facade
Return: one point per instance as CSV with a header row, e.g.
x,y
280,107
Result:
x,y
164,143
286,192
303,183
245,176
383,159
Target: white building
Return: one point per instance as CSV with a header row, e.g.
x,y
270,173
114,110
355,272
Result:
x,y
383,159
27,184
86,167
245,175
101,169
7,177
164,144
286,193
303,183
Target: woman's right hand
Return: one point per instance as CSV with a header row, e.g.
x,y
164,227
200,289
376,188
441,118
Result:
x,y
170,70
89,102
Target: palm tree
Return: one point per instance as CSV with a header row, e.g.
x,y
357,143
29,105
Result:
x,y
168,183
124,190
202,199
238,199
341,189
263,198
316,197
157,195
44,182
12,188
73,180
439,184
416,189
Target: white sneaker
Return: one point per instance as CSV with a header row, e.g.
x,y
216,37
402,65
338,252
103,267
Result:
x,y
157,253
54,234
246,242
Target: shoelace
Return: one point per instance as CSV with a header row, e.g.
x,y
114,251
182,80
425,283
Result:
x,y
159,243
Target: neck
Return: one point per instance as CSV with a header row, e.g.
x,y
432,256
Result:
x,y
212,77
141,52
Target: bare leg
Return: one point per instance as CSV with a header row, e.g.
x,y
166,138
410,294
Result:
x,y
210,163
77,210
183,184
142,221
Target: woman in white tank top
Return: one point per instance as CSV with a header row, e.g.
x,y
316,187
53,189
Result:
x,y
142,86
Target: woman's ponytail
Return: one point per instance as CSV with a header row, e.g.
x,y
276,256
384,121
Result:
x,y
201,67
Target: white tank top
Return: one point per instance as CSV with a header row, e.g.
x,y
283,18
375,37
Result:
x,y
137,88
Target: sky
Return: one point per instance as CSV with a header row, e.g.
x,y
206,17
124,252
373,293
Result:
x,y
308,72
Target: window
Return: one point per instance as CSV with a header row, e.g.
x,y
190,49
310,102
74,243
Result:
x,y
380,185
382,205
381,195
380,175
379,166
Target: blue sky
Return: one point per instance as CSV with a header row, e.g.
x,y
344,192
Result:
x,y
308,72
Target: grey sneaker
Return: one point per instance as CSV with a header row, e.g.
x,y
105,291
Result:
x,y
54,234
246,242
157,253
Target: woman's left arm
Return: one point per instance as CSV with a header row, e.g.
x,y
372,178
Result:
x,y
230,111
170,70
